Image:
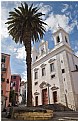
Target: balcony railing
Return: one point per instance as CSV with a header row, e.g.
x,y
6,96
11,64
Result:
x,y
3,69
2,79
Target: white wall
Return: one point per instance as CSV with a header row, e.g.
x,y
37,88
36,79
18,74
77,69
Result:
x,y
46,78
73,60
75,81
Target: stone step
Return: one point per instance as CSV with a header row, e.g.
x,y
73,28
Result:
x,y
66,114
64,119
32,113
34,117
55,107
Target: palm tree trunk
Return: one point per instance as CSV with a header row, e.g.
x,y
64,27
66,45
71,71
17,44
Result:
x,y
29,80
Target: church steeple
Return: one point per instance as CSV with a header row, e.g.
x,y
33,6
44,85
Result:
x,y
61,36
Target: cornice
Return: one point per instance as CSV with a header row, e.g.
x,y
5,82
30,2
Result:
x,y
51,60
36,93
43,65
36,69
44,84
54,88
61,29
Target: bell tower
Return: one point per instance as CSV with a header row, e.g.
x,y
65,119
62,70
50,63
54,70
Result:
x,y
61,37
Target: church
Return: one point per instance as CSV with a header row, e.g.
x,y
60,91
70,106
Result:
x,y
55,72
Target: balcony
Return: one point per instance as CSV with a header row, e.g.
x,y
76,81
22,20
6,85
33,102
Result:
x,y
3,60
2,79
3,69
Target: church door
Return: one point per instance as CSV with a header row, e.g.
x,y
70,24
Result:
x,y
36,101
55,96
44,97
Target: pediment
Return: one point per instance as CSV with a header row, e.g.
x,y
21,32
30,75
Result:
x,y
36,93
43,65
36,69
54,88
51,60
44,84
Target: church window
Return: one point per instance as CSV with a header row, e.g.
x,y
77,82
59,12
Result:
x,y
36,75
61,61
76,67
51,67
66,39
36,83
43,71
63,70
36,57
58,39
52,76
64,79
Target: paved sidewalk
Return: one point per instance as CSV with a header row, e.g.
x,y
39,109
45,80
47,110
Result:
x,y
54,119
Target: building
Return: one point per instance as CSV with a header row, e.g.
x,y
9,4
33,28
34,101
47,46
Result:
x,y
23,93
55,72
5,80
15,86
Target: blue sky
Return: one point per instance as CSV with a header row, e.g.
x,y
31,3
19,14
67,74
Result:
x,y
63,13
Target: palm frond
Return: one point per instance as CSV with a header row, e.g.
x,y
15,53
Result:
x,y
26,6
22,9
23,20
35,10
18,12
30,9
13,14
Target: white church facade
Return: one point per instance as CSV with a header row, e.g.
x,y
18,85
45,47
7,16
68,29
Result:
x,y
55,72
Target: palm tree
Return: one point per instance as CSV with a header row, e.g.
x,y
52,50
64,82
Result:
x,y
25,25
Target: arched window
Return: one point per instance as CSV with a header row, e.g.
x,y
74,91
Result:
x,y
58,39
36,75
36,57
66,39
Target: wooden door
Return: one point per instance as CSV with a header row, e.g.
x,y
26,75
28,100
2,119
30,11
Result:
x,y
36,101
44,97
55,96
